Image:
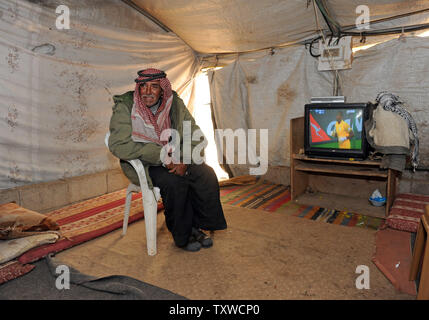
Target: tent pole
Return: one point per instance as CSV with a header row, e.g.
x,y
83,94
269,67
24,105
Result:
x,y
352,26
333,25
156,21
147,15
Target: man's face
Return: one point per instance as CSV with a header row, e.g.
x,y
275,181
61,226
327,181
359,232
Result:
x,y
150,92
339,117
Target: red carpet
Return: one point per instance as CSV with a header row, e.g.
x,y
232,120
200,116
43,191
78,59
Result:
x,y
87,220
393,247
13,269
79,222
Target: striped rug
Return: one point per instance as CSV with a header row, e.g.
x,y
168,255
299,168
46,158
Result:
x,y
276,198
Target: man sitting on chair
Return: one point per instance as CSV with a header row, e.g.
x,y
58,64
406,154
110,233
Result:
x,y
190,192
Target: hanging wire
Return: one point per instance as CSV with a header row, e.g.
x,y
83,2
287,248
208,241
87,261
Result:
x,y
311,47
337,79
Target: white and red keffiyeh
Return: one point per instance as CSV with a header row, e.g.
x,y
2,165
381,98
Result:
x,y
148,127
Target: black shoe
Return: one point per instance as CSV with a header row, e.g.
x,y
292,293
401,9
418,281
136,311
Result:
x,y
193,245
202,238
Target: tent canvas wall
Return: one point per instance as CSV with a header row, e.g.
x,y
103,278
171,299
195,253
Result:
x,y
57,85
275,87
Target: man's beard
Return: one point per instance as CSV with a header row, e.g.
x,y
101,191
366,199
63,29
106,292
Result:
x,y
152,97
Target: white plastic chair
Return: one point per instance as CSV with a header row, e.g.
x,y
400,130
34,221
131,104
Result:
x,y
150,203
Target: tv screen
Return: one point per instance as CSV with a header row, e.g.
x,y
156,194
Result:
x,y
335,130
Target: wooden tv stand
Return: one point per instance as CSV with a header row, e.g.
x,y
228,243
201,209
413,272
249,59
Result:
x,y
344,184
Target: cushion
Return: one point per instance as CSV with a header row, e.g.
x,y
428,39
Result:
x,y
17,222
406,211
10,249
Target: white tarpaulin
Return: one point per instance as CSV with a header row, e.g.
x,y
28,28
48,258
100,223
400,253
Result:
x,y
266,91
400,66
234,25
218,26
56,86
344,12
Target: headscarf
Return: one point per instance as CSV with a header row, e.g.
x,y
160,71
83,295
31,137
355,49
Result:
x,y
148,127
393,103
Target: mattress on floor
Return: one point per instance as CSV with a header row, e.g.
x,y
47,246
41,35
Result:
x,y
406,211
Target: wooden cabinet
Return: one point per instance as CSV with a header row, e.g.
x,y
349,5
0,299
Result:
x,y
337,184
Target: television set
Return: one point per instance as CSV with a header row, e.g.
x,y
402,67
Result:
x,y
335,130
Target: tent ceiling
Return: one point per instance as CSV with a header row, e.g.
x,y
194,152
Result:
x,y
218,26
234,25
344,11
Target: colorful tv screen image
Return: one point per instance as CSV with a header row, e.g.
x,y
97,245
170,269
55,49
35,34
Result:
x,y
336,128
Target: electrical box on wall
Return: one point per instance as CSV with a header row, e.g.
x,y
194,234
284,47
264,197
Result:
x,y
335,54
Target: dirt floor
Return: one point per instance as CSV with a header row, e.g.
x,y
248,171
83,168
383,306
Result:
x,y
260,256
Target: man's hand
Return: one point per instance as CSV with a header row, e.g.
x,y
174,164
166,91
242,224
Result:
x,y
179,169
170,166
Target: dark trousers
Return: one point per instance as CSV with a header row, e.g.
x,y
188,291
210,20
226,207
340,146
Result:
x,y
189,201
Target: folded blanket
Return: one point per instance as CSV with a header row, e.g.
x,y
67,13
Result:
x,y
18,222
10,249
